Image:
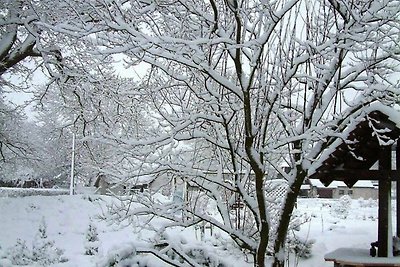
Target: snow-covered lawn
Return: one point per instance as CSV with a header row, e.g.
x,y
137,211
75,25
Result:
x,y
66,220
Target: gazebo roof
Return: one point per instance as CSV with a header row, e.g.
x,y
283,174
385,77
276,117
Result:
x,y
348,158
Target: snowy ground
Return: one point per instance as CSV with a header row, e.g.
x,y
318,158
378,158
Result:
x,y
67,219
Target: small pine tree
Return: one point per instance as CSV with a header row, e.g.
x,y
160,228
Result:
x,y
42,231
92,240
43,252
20,254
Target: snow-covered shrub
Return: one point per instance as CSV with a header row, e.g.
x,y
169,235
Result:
x,y
121,256
367,203
42,231
19,254
177,248
202,256
42,252
341,208
297,220
300,247
295,244
4,262
45,253
92,240
23,192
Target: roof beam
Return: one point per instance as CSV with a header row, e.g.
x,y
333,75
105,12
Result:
x,y
350,175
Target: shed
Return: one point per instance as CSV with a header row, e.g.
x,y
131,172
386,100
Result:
x,y
107,185
372,136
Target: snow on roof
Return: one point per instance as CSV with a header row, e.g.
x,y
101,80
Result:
x,y
317,183
392,113
142,179
335,184
136,180
364,184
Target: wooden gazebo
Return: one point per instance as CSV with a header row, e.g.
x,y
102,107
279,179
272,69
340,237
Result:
x,y
372,138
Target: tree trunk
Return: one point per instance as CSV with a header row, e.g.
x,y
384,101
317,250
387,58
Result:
x,y
279,246
264,226
262,246
278,262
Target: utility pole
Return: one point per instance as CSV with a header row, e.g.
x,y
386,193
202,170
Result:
x,y
72,181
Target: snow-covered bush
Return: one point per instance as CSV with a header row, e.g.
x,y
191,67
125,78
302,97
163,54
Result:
x,y
367,203
122,256
203,256
177,248
341,208
42,252
23,192
4,262
42,231
45,253
92,240
19,254
299,246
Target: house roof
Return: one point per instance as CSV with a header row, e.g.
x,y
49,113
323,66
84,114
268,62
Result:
x,y
136,180
358,147
142,179
105,178
336,184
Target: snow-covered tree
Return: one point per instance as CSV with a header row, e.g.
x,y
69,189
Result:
x,y
53,149
248,87
29,55
13,142
95,108
92,240
16,150
36,60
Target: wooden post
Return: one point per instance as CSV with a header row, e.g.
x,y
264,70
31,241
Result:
x,y
398,189
398,206
384,229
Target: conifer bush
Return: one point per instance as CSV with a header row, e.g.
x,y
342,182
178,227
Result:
x,y
42,252
92,240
